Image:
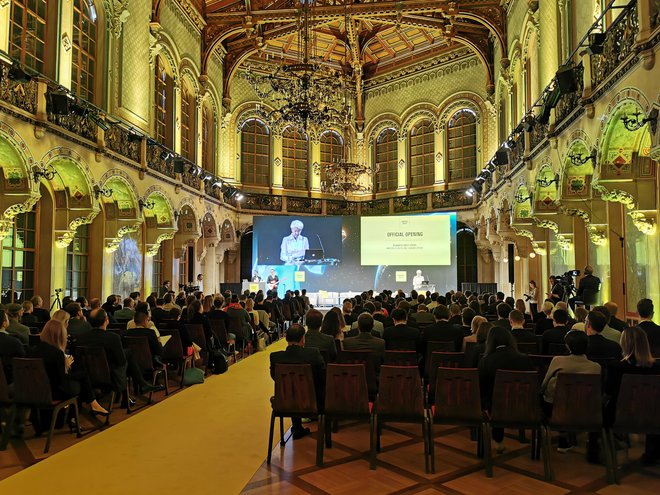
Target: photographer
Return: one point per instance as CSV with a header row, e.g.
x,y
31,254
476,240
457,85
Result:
x,y
587,291
557,291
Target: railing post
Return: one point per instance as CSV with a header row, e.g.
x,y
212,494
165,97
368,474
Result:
x,y
644,15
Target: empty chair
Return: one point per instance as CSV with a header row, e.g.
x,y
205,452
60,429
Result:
x,y
174,353
401,399
32,390
457,402
441,360
557,350
528,347
295,396
400,358
577,408
346,397
630,417
515,404
541,364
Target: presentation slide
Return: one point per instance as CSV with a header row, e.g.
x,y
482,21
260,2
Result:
x,y
410,240
353,254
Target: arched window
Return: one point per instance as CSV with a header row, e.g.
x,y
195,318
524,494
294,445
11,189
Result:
x,y
422,157
331,150
157,274
208,138
29,33
188,144
83,63
462,145
255,153
294,160
77,255
386,160
164,120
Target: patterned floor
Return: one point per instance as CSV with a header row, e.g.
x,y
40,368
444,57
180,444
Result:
x,y
458,471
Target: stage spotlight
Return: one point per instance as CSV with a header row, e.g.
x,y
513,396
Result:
x,y
18,74
102,124
529,122
566,79
596,42
469,193
502,156
239,196
164,155
491,167
217,184
134,137
79,110
178,165
59,103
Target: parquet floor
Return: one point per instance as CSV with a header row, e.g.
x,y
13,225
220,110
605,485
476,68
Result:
x,y
458,470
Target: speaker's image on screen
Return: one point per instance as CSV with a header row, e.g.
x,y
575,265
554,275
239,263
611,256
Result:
x,y
296,239
406,240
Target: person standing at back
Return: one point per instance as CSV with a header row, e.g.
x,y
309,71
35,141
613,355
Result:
x,y
645,311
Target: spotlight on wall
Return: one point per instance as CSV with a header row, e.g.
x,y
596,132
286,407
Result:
x,y
17,73
217,184
596,43
178,165
59,103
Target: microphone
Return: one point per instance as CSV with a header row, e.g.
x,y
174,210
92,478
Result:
x,y
321,243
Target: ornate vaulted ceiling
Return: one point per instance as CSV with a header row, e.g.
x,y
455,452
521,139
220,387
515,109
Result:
x,y
366,38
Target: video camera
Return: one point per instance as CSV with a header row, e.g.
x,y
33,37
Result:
x,y
567,281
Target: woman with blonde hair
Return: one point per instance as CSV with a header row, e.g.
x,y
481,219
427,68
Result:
x,y
476,321
207,304
61,316
65,382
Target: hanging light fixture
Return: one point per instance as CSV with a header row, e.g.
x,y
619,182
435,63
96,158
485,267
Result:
x,y
304,92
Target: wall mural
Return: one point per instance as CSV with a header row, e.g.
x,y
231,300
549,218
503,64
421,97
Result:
x,y
127,266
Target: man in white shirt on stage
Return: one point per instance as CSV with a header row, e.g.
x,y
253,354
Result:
x,y
418,280
294,246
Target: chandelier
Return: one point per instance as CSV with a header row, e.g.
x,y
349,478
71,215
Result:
x,y
345,177
304,92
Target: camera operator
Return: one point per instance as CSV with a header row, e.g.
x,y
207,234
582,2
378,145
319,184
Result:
x,y
557,291
588,289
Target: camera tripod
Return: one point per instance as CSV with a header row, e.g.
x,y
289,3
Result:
x,y
57,301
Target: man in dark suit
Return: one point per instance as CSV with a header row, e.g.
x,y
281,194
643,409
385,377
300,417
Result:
x,y
142,329
556,334
365,340
503,310
615,323
492,306
441,331
599,346
401,337
78,325
455,315
517,321
297,353
314,338
42,314
10,347
645,311
588,289
421,317
159,314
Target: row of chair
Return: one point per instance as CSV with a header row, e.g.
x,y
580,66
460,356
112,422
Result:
x,y
516,404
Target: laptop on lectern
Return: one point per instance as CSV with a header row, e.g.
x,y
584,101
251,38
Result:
x,y
313,254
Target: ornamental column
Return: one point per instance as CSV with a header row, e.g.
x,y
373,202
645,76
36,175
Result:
x,y
315,158
276,170
440,153
402,166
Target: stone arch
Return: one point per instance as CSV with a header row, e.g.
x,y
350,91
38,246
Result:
x,y
158,219
165,46
522,210
19,192
575,178
416,113
189,71
209,226
122,213
227,231
379,124
248,111
74,196
468,100
545,196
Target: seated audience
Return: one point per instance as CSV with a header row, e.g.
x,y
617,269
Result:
x,y
501,354
365,341
10,347
441,331
28,319
16,328
237,312
315,338
378,327
637,360
518,330
503,310
141,328
143,307
331,326
520,306
599,346
473,353
127,312
608,332
401,337
580,316
615,323
170,306
467,315
556,334
576,362
297,353
65,382
543,318
78,325
473,330
645,311
422,317
455,315
41,313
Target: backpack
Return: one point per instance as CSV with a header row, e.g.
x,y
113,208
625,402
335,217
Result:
x,y
218,361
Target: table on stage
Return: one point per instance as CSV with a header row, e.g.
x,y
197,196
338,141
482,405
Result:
x,y
253,286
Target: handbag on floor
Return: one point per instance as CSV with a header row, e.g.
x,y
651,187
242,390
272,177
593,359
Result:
x,y
192,376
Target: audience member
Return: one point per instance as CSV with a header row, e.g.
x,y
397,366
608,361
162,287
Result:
x,y
599,346
518,330
10,347
608,332
503,310
365,340
141,328
543,318
474,325
556,334
615,323
297,353
28,319
422,317
441,331
646,312
467,315
580,317
78,325
455,315
401,337
42,314
16,328
473,353
314,338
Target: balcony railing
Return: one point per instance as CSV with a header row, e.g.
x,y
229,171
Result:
x,y
569,102
620,40
22,95
122,142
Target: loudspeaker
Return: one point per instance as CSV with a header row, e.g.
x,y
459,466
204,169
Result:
x,y
178,165
566,80
596,42
511,254
59,103
502,156
190,260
